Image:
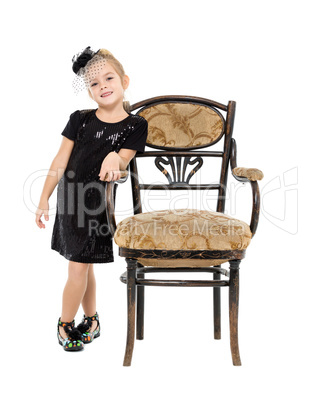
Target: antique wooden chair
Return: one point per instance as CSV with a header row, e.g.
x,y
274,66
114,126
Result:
x,y
179,127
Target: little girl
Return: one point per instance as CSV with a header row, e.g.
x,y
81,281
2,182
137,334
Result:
x,y
97,144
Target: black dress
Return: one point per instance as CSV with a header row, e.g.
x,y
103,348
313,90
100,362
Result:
x,y
81,232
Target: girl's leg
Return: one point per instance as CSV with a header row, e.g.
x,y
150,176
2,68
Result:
x,y
74,291
89,299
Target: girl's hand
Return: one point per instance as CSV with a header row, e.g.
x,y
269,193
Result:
x,y
42,209
110,165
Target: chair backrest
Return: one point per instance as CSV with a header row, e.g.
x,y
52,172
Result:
x,y
178,127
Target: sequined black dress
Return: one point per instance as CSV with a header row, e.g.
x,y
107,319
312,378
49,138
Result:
x,y
81,231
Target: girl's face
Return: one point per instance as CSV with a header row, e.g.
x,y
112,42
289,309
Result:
x,y
106,88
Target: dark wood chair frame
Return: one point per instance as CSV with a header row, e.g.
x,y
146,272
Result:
x,y
134,277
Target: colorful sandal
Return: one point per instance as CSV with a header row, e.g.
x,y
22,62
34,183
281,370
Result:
x,y
85,325
74,340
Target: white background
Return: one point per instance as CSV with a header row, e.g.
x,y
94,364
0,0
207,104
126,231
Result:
x,y
263,55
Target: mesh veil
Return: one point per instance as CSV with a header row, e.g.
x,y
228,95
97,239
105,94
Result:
x,y
86,66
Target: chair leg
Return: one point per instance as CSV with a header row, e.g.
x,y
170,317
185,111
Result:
x,y
140,308
217,308
233,310
131,299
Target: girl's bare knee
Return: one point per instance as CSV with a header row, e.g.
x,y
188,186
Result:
x,y
78,269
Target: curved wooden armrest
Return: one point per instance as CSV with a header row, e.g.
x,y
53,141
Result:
x,y
242,173
123,175
248,175
110,200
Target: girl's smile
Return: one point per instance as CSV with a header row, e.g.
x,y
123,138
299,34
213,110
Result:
x,y
106,94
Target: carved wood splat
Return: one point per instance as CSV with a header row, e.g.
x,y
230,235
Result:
x,y
178,175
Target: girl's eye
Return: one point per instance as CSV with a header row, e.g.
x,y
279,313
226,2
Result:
x,y
109,78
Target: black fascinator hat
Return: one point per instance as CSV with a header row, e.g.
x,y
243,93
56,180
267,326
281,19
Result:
x,y
81,59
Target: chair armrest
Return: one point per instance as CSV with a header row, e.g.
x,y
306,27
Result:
x,y
110,200
123,176
247,175
242,173
251,174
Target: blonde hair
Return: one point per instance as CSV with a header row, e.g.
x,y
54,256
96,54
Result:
x,y
109,57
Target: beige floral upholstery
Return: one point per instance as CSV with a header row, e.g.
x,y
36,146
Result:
x,y
251,174
182,229
182,125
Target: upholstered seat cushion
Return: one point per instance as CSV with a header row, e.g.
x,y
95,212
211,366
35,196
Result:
x,y
182,229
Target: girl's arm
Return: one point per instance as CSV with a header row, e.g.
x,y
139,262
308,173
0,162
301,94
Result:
x,y
114,162
55,173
